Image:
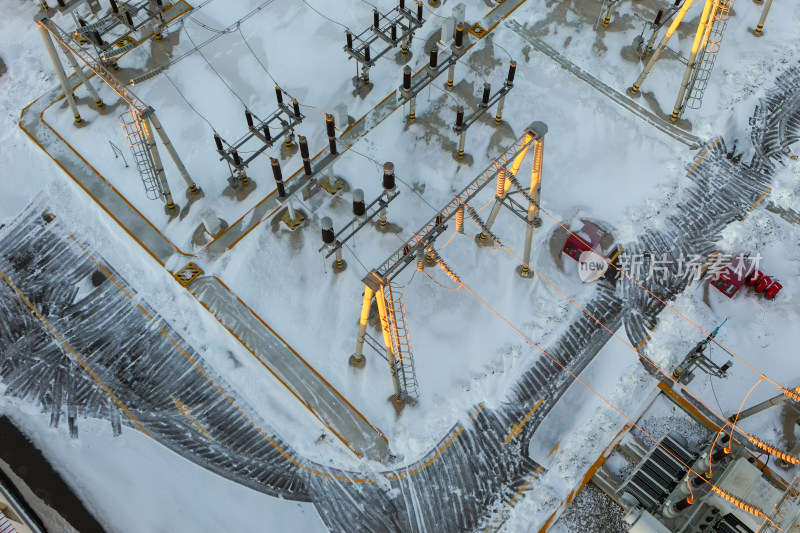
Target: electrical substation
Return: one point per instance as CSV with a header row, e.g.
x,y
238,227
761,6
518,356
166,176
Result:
x,y
516,186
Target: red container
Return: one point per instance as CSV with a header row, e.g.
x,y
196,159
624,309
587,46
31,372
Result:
x,y
763,283
754,277
773,291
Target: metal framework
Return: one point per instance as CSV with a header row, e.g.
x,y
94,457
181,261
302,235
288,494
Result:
x,y
385,29
708,37
143,116
378,283
373,210
286,118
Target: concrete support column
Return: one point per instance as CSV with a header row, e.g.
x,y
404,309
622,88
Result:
x,y
62,76
82,75
634,89
172,153
451,73
759,31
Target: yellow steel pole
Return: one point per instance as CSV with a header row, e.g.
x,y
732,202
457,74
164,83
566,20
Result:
x,y
357,360
678,18
699,37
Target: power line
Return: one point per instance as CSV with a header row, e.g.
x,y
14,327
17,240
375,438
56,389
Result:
x,y
188,102
323,16
212,68
255,56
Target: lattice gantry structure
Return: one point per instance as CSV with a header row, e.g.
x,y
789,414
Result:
x,y
705,47
420,248
138,123
392,28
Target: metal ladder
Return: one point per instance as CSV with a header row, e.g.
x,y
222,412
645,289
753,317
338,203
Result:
x,y
134,131
701,74
398,330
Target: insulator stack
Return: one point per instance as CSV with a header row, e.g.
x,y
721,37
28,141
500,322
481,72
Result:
x,y
434,58
279,95
249,117
328,236
487,90
367,57
267,134
783,456
296,109
459,118
331,129
394,33
459,35
61,3
128,19
237,161
304,154
376,19
419,12
388,176
447,270
738,503
501,183
276,172
658,17
114,7
406,78
402,4
114,52
349,39
793,394
512,68
359,207
147,76
460,220
218,142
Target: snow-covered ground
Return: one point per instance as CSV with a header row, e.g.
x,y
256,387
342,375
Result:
x,y
601,163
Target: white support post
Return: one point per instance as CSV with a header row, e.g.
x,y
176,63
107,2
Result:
x,y
451,73
82,75
461,141
62,76
759,31
412,109
498,117
172,153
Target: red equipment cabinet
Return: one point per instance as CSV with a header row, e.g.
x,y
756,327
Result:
x,y
773,291
763,283
586,239
732,277
754,277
